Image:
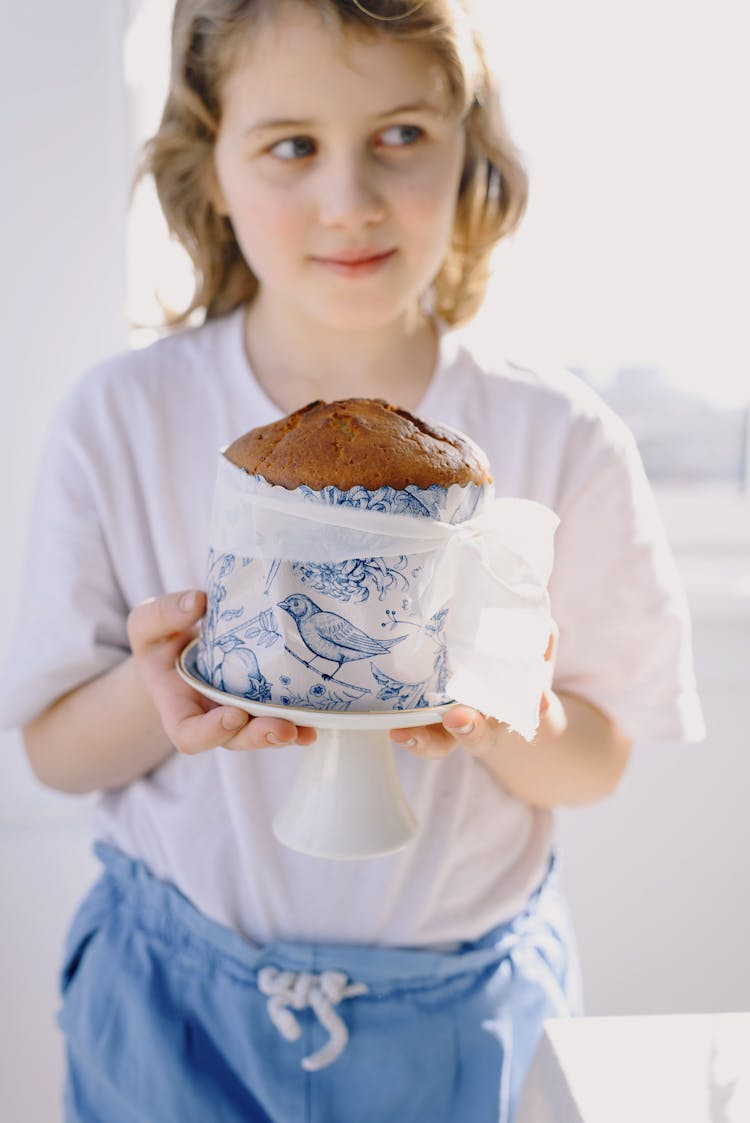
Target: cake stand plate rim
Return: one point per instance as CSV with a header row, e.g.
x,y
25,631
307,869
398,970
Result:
x,y
321,719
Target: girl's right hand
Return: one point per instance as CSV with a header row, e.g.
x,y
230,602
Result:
x,y
158,630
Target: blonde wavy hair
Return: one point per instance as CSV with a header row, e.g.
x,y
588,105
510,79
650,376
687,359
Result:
x,y
207,39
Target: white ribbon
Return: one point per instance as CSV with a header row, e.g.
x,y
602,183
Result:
x,y
265,521
493,568
299,989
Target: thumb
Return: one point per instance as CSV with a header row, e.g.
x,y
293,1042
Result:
x,y
160,621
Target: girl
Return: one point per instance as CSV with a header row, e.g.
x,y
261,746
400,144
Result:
x,y
339,174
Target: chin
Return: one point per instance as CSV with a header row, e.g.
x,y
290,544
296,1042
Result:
x,y
364,315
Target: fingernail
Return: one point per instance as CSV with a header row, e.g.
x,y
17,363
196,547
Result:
x,y
409,743
279,739
187,602
461,729
233,719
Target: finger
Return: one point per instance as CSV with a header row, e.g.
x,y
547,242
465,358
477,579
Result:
x,y
470,727
193,729
194,724
430,741
550,657
262,733
554,636
159,625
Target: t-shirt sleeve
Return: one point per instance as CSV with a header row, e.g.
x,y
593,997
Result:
x,y
71,614
618,600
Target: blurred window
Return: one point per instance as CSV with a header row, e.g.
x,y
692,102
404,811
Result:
x,y
685,438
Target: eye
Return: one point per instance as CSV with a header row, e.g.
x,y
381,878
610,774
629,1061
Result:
x,y
400,136
294,148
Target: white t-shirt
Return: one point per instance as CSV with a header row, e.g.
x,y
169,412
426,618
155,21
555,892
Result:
x,y
122,513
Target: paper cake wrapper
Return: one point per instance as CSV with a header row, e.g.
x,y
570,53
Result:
x,y
380,600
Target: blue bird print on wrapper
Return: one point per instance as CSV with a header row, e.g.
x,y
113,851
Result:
x,y
246,650
330,636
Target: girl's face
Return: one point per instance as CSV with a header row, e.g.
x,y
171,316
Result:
x,y
338,161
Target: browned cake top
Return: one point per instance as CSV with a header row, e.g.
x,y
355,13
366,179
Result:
x,y
362,442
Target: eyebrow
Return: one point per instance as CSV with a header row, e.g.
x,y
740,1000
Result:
x,y
274,123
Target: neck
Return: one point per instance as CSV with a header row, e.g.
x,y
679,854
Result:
x,y
299,363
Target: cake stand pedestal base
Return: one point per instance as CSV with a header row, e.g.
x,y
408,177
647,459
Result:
x,y
346,801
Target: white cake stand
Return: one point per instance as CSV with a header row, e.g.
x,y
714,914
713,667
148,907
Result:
x,y
347,800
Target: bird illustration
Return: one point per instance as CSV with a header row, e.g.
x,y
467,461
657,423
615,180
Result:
x,y
237,671
331,636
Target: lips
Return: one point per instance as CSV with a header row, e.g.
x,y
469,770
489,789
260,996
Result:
x,y
356,261
355,256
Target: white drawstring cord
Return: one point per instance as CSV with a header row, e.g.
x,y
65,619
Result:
x,y
298,989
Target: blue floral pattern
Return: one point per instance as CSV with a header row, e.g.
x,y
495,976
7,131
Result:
x,y
335,635
225,655
355,579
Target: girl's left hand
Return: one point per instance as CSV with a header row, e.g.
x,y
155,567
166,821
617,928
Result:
x,y
467,727
462,726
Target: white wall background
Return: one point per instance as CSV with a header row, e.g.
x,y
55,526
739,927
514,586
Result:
x,y
657,875
63,195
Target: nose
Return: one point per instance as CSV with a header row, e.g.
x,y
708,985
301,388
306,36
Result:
x,y
350,195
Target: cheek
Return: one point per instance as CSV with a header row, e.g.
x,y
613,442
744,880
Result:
x,y
428,204
265,222
429,213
